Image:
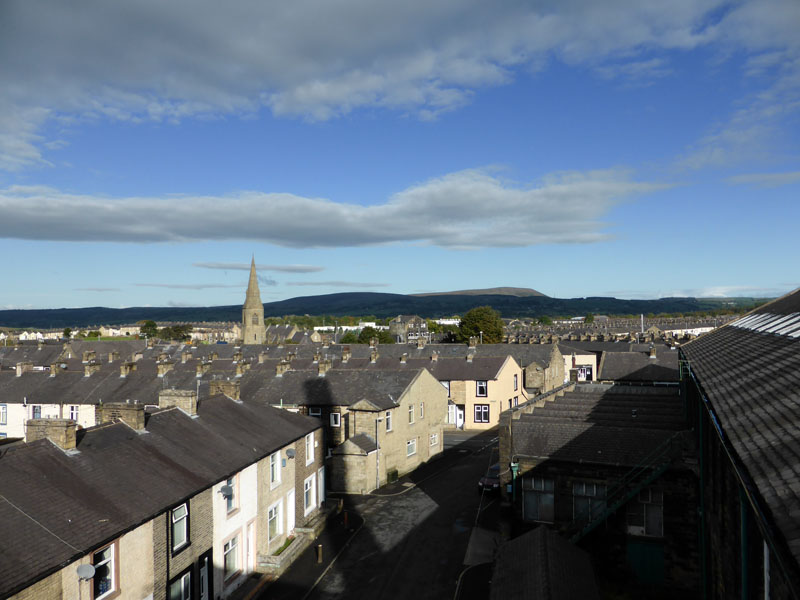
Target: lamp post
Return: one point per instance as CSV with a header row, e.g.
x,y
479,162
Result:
x,y
377,455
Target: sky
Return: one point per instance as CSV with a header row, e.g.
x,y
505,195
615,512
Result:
x,y
636,149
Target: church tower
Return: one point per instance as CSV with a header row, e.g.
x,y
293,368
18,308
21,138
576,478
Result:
x,y
253,329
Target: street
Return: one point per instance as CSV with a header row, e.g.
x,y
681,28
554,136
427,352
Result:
x,y
415,533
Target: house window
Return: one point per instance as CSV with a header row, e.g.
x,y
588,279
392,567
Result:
x,y
105,572
516,382
411,447
421,410
309,448
3,414
255,320
309,495
388,420
538,499
410,414
180,526
315,412
37,411
645,513
274,469
516,400
434,439
73,412
336,419
481,413
588,500
446,385
232,500
481,388
230,558
274,521
181,587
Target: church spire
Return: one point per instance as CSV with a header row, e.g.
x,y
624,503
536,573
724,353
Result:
x,y
253,297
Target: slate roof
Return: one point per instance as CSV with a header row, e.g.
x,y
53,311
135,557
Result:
x,y
361,443
639,367
542,564
57,506
749,370
603,424
45,356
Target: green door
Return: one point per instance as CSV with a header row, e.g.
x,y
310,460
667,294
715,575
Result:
x,y
646,560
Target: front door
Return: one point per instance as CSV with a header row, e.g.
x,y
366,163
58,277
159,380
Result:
x,y
204,580
289,512
460,416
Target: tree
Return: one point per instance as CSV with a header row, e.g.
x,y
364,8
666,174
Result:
x,y
148,329
589,318
370,332
67,332
482,319
349,338
545,320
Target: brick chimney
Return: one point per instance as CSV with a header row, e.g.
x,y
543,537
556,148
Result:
x,y
373,342
59,431
282,367
317,355
652,351
164,367
241,368
112,356
373,355
88,356
55,368
24,367
346,353
126,368
137,356
470,356
434,356
162,356
90,368
186,400
214,355
262,356
420,342
186,356
203,368
225,387
404,358
324,366
473,341
131,413
290,356
237,356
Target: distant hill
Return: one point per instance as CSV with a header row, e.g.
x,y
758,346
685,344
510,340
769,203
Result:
x,y
377,304
498,291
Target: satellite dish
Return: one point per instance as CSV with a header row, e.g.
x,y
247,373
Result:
x,y
290,452
85,572
226,491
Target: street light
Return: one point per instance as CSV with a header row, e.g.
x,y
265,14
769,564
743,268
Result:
x,y
377,455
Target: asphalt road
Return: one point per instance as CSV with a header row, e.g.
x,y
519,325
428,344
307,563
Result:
x,y
413,543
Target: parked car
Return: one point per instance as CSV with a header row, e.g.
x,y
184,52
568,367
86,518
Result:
x,y
491,481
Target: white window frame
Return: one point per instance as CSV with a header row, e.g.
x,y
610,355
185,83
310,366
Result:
x,y
179,522
541,487
446,385
388,417
411,447
275,513
309,448
315,411
3,414
336,419
185,589
274,469
232,502
231,546
516,382
484,411
111,562
434,439
74,412
481,388
36,408
651,502
309,494
421,410
410,414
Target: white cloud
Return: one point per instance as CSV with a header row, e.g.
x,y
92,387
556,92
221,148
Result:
x,y
151,61
466,209
187,286
339,284
765,179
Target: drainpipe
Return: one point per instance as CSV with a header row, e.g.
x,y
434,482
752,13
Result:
x,y
743,519
701,428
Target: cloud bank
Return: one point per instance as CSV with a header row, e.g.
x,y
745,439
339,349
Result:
x,y
466,209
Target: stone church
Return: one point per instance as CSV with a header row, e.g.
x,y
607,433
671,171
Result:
x,y
253,328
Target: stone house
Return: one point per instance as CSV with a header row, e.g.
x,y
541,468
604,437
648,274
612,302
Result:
x,y
164,504
742,388
408,328
390,435
612,469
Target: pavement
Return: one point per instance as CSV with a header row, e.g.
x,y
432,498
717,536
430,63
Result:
x,y
300,579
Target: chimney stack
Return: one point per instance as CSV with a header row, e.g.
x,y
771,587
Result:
x,y
186,356
262,356
24,367
282,367
470,356
186,400
126,369
420,342
59,431
324,366
90,368
346,353
131,413
88,356
652,351
473,341
434,357
202,368
231,389
373,355
112,356
373,342
164,368
404,358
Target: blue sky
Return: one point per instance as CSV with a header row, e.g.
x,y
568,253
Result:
x,y
634,149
